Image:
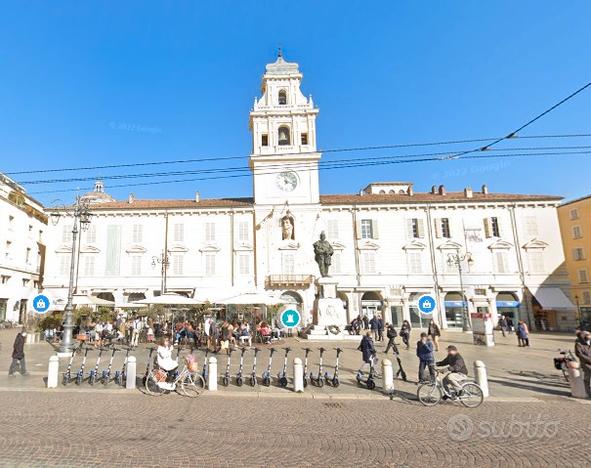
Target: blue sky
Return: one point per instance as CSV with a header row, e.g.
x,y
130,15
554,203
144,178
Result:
x,y
87,83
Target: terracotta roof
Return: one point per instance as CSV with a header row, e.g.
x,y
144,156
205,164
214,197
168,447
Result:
x,y
139,204
449,197
342,199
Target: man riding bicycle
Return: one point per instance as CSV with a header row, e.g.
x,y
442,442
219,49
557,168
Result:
x,y
457,369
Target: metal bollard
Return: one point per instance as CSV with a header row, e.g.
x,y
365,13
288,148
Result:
x,y
212,383
53,371
481,377
577,384
298,375
387,376
131,371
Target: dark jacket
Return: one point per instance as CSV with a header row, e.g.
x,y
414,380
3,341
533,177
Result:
x,y
391,332
405,329
425,351
366,348
18,350
380,324
454,363
583,352
433,329
373,323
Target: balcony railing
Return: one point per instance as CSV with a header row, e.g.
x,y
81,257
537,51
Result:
x,y
279,281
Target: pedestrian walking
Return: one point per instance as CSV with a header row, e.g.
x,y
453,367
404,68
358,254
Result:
x,y
391,335
583,352
380,322
503,325
405,333
426,357
365,321
434,332
522,334
373,326
18,354
367,349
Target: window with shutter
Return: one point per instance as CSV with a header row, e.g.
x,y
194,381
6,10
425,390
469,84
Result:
x,y
586,297
136,265
494,224
287,263
414,261
577,232
332,229
536,261
244,264
445,228
335,266
89,265
578,254
366,229
91,234
64,264
210,264
438,232
209,232
67,233
138,233
369,262
531,226
583,278
501,261
487,228
243,231
179,232
374,229
177,264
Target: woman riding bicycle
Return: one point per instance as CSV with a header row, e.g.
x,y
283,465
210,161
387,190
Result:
x,y
165,360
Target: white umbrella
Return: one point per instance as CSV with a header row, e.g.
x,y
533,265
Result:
x,y
251,298
86,300
169,299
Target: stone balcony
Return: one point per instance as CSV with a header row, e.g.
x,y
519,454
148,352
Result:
x,y
288,281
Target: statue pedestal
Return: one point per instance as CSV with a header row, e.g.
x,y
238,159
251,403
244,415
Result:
x,y
328,312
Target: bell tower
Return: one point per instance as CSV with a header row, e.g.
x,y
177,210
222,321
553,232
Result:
x,y
284,160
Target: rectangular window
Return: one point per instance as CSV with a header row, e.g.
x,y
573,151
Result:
x,y
136,265
531,226
91,234
586,297
368,261
64,265
578,254
243,231
501,262
369,229
332,229
335,266
4,279
583,278
138,234
494,222
209,232
264,139
28,255
536,261
287,264
25,282
210,264
445,231
8,248
414,262
574,214
577,232
113,254
415,228
304,138
40,235
67,233
244,264
179,232
89,265
177,264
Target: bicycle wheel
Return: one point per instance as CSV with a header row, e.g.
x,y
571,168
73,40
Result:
x,y
187,386
429,394
471,395
152,387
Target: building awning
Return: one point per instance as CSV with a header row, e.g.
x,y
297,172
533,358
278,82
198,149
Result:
x,y
552,298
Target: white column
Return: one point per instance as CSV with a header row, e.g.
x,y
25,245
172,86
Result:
x,y
53,371
212,383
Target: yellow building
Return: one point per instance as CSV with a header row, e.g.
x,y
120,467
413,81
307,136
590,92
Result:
x,y
575,227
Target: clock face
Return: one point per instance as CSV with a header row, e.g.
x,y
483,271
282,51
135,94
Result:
x,y
287,181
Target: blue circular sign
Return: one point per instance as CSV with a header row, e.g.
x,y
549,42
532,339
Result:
x,y
427,304
41,303
290,318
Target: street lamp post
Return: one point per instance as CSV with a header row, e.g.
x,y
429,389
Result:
x,y
81,213
578,310
164,261
457,259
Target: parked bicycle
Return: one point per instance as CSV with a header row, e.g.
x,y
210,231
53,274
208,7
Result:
x,y
187,383
563,362
430,393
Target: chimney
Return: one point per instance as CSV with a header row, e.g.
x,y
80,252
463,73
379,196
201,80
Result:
x,y
442,190
131,198
410,191
485,189
197,197
468,192
433,189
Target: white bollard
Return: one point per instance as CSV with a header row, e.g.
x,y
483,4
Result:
x,y
131,372
577,385
212,377
481,377
30,338
53,371
298,375
387,376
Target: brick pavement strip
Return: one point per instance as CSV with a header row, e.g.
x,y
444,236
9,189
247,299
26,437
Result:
x,y
74,429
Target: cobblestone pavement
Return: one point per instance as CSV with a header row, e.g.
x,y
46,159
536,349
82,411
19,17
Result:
x,y
76,429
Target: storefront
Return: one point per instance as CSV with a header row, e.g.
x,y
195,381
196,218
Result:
x,y
454,309
508,306
371,304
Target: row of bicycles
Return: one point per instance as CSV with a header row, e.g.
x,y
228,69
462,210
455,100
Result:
x,y
95,374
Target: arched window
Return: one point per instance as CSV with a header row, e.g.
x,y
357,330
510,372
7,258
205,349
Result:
x,y
284,137
282,97
382,192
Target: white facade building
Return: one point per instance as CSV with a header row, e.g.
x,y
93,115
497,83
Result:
x,y
391,244
23,226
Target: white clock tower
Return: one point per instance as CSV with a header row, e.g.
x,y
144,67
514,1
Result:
x,y
284,160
